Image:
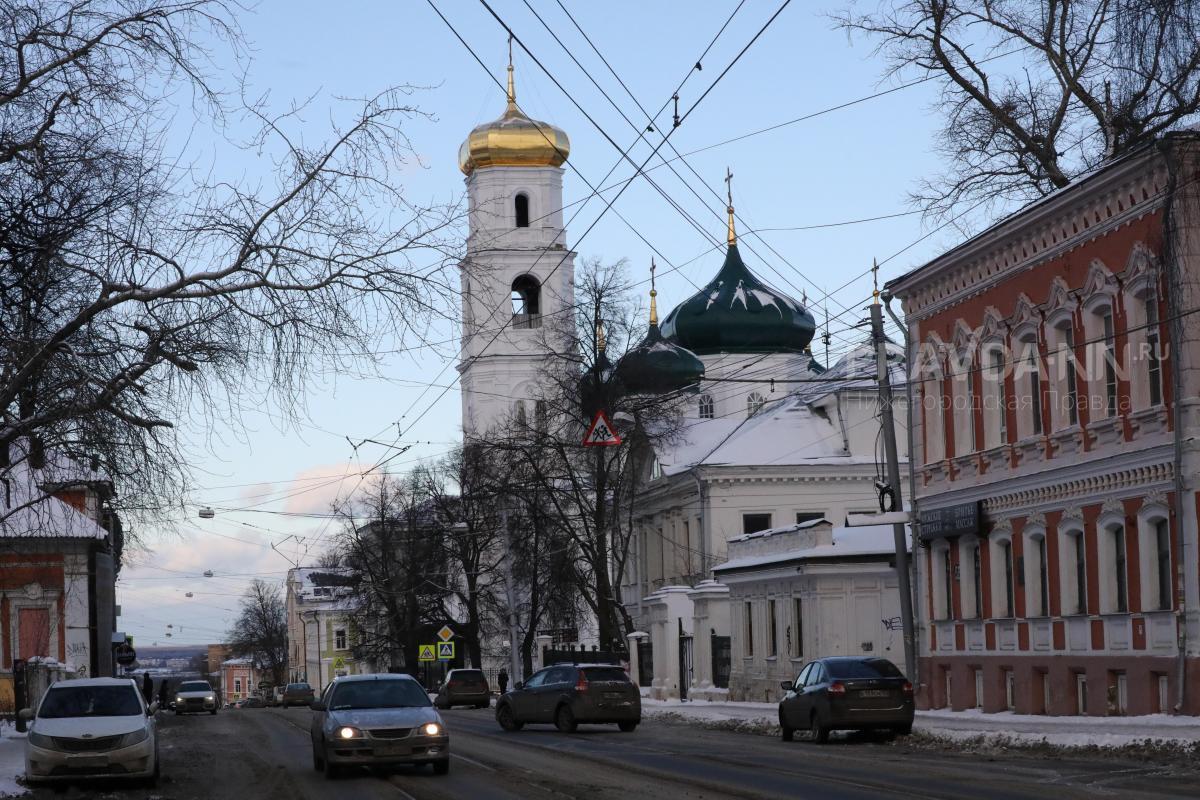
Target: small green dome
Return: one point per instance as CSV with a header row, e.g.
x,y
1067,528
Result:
x,y
657,366
738,313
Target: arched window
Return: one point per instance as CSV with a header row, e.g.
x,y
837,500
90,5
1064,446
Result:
x,y
1114,595
970,560
519,409
1154,541
521,205
1072,548
1003,577
754,403
1102,360
527,302
1028,377
1036,578
995,408
706,406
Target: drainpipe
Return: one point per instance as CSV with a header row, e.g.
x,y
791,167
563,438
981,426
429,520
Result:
x,y
1176,334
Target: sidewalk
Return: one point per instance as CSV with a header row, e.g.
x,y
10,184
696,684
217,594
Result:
x,y
999,728
12,760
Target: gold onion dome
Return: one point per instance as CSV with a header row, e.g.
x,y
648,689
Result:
x,y
514,140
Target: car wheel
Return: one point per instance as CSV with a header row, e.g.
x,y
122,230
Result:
x,y
786,732
564,719
178,713
152,781
285,706
482,705
508,720
820,733
213,711
318,762
441,767
903,730
627,727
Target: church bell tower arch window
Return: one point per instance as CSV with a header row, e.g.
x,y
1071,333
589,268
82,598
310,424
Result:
x,y
527,302
521,210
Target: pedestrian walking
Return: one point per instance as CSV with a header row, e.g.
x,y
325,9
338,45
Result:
x,y
502,679
163,695
148,688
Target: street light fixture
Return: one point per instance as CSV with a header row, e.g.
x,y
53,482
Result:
x,y
207,513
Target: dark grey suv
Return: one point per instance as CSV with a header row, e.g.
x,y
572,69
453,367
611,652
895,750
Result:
x,y
849,693
572,694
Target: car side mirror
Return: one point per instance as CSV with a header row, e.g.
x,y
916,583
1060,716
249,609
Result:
x,y
26,714
519,685
787,686
152,709
316,705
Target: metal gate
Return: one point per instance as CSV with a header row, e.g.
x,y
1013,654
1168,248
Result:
x,y
685,661
722,658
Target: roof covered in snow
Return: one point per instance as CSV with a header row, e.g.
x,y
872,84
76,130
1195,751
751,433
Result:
x,y
27,511
870,540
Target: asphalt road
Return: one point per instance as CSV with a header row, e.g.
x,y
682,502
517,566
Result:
x,y
255,754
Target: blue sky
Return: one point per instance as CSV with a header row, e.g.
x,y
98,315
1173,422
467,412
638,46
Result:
x,y
848,164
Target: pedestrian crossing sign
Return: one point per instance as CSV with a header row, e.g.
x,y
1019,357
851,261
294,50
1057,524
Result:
x,y
426,652
445,651
601,433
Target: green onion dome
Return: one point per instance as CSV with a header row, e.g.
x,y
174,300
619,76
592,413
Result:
x,y
657,366
738,313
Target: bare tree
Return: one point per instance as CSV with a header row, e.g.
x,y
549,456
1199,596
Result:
x,y
391,544
139,291
585,493
1035,93
260,632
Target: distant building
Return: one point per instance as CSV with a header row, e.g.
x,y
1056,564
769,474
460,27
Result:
x,y
215,656
320,635
239,679
1058,449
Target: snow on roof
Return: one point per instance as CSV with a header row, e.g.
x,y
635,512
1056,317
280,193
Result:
x,y
26,511
847,542
242,661
799,526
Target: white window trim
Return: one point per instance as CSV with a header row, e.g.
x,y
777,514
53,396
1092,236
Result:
x,y
1033,583
998,574
966,576
1105,526
1148,515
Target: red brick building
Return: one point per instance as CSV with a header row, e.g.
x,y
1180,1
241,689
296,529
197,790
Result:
x,y
1056,473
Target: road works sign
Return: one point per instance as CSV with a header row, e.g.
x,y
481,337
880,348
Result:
x,y
427,652
445,651
446,633
601,433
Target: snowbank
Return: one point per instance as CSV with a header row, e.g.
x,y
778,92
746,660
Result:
x,y
12,760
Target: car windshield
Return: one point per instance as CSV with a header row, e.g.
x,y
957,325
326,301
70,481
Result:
x,y
613,674
90,701
866,668
195,686
468,675
299,687
379,694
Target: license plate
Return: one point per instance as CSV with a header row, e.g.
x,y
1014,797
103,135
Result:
x,y
87,762
874,693
613,695
391,750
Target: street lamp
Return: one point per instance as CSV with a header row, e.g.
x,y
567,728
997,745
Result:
x,y
206,512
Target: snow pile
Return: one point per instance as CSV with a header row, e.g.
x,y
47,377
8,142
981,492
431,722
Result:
x,y
12,760
961,730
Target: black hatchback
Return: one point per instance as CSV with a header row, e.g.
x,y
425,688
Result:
x,y
847,693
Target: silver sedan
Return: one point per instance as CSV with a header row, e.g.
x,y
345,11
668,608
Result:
x,y
377,721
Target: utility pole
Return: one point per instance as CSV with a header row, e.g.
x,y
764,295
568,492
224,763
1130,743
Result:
x,y
893,476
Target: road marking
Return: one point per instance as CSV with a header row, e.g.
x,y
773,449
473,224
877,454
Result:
x,y
479,764
402,792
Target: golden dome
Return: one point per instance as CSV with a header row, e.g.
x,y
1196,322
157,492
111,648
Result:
x,y
514,140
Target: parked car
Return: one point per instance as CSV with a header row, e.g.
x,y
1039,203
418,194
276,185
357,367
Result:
x,y
464,687
377,721
846,693
192,696
253,701
296,694
91,727
572,694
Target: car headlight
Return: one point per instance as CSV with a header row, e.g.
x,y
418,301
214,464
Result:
x,y
431,729
44,742
178,699
211,698
133,737
346,732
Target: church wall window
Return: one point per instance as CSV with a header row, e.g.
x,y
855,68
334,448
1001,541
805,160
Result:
x,y
527,302
521,207
754,403
706,406
753,523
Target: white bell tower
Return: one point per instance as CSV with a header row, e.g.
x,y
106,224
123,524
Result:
x,y
518,278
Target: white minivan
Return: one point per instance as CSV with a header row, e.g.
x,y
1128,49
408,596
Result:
x,y
91,728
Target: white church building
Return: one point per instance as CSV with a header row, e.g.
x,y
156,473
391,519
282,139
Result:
x,y
772,439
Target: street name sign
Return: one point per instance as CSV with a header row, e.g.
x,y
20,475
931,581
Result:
x,y
949,521
427,652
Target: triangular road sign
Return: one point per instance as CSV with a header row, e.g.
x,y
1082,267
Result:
x,y
601,433
425,652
